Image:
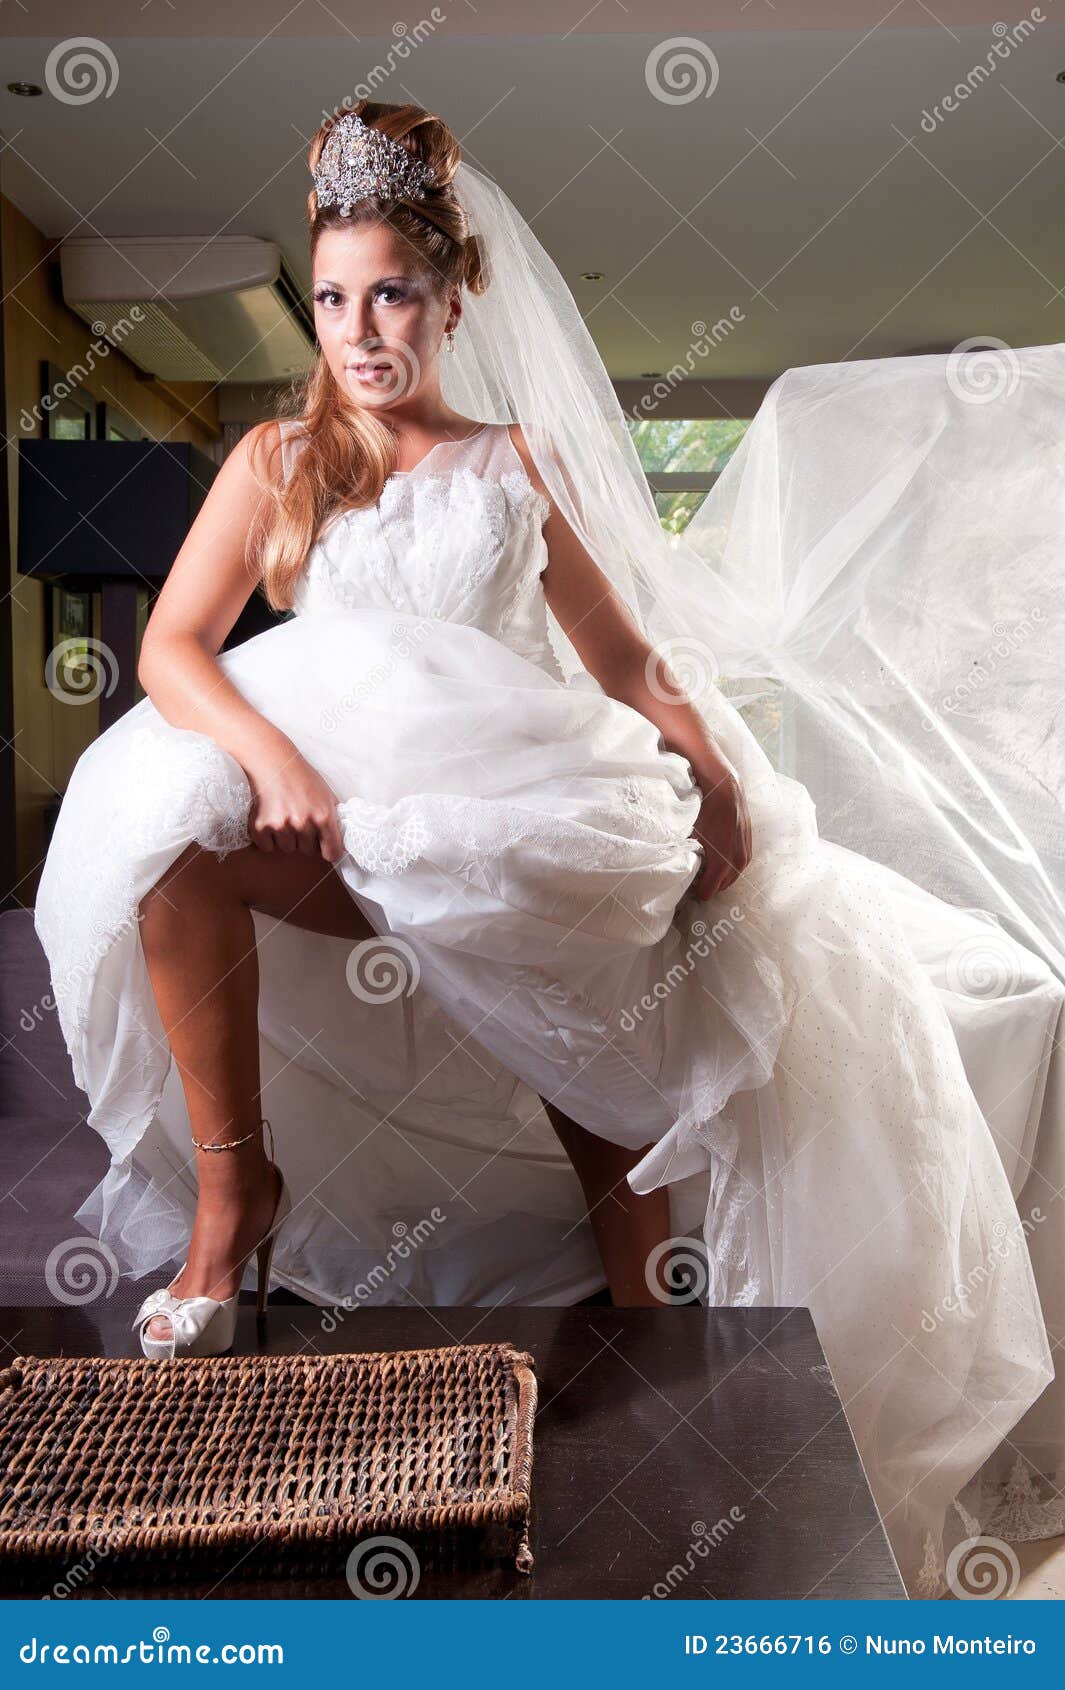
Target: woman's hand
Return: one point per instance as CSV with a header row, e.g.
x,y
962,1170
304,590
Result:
x,y
723,828
293,809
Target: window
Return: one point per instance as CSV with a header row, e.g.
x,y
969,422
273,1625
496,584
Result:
x,y
683,458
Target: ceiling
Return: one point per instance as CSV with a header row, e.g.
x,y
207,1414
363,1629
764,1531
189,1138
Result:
x,y
803,191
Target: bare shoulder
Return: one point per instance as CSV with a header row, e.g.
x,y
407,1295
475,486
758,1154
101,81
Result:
x,y
259,452
521,446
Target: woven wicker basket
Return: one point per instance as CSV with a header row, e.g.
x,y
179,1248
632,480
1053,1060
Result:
x,y
175,1469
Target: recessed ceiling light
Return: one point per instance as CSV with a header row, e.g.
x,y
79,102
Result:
x,y
650,375
592,275
26,89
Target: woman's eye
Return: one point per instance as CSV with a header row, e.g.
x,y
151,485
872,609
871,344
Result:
x,y
329,296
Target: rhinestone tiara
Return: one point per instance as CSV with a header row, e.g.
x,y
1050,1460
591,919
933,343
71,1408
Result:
x,y
359,162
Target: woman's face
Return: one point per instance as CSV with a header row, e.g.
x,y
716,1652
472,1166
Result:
x,y
380,316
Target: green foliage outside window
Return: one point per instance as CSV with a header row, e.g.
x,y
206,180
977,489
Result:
x,y
672,445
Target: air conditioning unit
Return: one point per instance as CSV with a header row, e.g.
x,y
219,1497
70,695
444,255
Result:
x,y
216,308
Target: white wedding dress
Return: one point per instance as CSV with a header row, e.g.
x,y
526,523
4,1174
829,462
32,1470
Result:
x,y
521,843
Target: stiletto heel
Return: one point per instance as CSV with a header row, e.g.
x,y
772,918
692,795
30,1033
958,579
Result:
x,y
206,1326
262,1283
265,1250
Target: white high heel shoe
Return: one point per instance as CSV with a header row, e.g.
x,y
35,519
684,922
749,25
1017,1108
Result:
x,y
206,1326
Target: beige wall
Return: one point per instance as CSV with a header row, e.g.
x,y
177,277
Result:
x,y
50,735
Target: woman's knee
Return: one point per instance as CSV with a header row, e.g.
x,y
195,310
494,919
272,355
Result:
x,y
177,889
305,891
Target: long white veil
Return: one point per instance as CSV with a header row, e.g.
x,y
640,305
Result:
x,y
866,611
875,578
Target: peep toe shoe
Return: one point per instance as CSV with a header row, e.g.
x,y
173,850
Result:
x,y
206,1326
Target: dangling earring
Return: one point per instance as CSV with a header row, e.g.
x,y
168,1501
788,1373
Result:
x,y
451,339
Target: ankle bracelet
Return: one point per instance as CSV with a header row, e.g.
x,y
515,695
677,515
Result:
x,y
231,1143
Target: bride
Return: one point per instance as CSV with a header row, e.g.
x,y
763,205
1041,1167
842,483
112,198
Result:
x,y
465,763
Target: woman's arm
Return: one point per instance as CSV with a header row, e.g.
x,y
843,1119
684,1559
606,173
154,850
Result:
x,y
602,629
209,582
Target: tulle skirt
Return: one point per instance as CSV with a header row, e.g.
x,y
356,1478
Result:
x,y
522,849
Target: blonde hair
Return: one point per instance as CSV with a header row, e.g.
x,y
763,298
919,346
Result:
x,y
346,446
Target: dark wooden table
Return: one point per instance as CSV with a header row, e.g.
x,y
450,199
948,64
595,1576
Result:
x,y
678,1451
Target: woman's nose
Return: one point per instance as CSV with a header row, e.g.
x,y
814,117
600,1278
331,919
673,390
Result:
x,y
360,329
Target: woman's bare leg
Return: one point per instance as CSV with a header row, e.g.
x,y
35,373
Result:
x,y
627,1226
199,944
198,936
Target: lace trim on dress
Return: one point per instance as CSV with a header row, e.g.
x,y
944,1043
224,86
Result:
x,y
639,795
188,790
1021,1513
486,507
1011,1511
411,828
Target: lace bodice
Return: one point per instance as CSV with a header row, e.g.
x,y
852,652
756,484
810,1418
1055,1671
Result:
x,y
458,537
